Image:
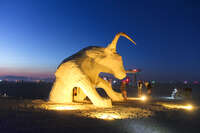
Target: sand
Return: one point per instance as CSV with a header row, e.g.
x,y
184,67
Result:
x,y
23,115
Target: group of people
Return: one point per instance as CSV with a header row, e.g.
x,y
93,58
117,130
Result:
x,y
182,92
140,87
147,85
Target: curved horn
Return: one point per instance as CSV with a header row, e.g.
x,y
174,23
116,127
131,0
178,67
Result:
x,y
113,44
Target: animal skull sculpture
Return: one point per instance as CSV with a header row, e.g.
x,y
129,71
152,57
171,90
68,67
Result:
x,y
81,71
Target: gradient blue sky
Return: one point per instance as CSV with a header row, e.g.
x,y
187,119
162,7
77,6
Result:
x,y
36,35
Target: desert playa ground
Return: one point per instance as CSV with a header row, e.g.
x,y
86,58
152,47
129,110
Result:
x,y
131,116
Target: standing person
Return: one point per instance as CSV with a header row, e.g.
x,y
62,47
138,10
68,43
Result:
x,y
123,90
148,86
139,85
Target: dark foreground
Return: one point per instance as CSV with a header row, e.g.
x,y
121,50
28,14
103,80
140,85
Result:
x,y
28,116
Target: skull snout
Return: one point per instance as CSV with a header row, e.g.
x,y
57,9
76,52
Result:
x,y
119,71
120,74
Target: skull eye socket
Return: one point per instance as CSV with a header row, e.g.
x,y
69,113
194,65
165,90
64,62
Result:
x,y
115,53
117,57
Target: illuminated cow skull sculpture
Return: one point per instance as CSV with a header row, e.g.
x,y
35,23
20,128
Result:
x,y
81,71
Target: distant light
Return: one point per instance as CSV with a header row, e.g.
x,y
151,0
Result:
x,y
185,82
196,82
0,80
127,80
153,81
37,81
114,81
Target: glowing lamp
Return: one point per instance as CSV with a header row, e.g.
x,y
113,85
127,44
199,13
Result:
x,y
114,81
188,107
135,70
143,98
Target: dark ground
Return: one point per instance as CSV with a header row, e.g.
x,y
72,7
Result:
x,y
20,114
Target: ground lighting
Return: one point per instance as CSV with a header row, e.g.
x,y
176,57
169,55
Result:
x,y
176,106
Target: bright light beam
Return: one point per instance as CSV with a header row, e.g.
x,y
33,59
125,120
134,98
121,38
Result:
x,y
175,106
142,98
64,107
108,116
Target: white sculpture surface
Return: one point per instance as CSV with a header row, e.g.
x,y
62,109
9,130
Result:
x,y
81,71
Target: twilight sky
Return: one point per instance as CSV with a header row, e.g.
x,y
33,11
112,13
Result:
x,y
36,35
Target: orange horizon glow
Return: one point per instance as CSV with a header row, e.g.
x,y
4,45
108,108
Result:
x,y
27,72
